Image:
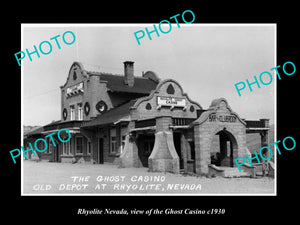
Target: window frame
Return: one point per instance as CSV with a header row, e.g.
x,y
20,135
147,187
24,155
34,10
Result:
x,y
66,148
76,146
72,112
80,111
123,140
113,145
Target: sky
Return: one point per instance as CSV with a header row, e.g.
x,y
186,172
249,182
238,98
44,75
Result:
x,y
206,59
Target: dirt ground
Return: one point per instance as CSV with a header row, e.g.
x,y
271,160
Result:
x,y
107,179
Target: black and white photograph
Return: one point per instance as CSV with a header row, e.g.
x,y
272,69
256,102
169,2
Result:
x,y
129,109
144,113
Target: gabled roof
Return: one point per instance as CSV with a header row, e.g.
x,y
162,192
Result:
x,y
111,116
115,82
214,107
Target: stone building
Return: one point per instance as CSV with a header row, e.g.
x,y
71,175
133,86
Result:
x,y
142,121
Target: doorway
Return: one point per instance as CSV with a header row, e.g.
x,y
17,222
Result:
x,y
100,151
177,144
56,153
145,144
224,145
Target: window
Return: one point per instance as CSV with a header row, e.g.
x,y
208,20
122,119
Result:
x,y
88,147
79,145
113,143
123,137
123,143
66,148
72,112
80,111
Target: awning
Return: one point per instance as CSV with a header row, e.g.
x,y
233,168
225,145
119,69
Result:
x,y
72,131
112,116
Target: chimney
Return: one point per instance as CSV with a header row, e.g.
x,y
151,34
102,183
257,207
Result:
x,y
128,73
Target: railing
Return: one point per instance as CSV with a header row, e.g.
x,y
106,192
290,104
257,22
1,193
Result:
x,y
181,121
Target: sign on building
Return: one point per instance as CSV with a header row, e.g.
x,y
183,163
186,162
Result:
x,y
75,89
171,101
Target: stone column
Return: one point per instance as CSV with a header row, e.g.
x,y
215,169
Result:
x,y
164,157
184,151
130,156
202,143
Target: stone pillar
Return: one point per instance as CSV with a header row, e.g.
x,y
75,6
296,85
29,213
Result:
x,y
130,156
202,155
164,157
184,151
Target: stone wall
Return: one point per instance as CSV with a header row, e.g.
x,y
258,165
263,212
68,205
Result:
x,y
164,157
209,124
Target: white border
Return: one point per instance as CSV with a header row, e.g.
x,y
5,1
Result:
x,y
25,25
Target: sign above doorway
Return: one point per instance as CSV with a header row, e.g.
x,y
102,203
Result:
x,y
171,101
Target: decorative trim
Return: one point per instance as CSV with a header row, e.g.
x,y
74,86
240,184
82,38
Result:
x,y
151,95
213,109
86,108
148,106
101,104
65,114
82,71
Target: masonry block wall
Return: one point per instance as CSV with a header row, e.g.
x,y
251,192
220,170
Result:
x,y
218,118
129,156
146,107
164,157
94,90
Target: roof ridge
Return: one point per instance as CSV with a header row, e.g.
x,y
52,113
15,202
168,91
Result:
x,y
96,70
114,74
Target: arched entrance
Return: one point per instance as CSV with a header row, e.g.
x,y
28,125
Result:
x,y
223,147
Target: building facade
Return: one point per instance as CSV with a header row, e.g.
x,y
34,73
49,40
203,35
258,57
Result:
x,y
145,122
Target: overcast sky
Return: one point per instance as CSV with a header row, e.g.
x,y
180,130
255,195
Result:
x,y
206,59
